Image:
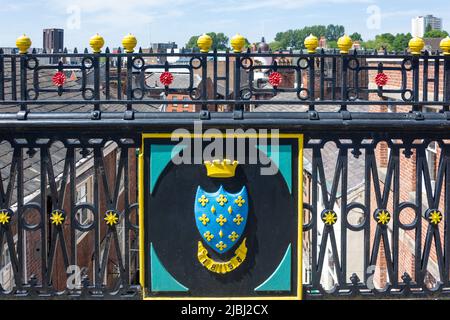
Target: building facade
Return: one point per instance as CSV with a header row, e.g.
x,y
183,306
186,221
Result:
x,y
420,24
163,47
409,187
53,40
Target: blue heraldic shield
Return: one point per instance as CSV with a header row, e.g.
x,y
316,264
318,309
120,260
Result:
x,y
221,217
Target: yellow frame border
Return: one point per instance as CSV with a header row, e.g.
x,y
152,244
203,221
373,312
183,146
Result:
x,y
299,138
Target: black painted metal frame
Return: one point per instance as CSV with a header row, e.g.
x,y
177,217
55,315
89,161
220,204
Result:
x,y
31,134
129,70
379,193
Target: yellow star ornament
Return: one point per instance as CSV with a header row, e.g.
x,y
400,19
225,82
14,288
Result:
x,y
4,217
329,217
111,218
383,217
57,217
435,217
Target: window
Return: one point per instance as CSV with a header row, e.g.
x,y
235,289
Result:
x,y
6,272
429,280
121,235
84,194
392,108
185,99
432,161
175,98
122,179
431,155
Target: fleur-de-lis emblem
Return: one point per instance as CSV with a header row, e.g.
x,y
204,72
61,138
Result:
x,y
233,236
221,220
204,219
203,200
208,235
238,220
239,201
222,200
221,246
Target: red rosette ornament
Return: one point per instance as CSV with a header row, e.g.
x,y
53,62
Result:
x,y
59,79
275,79
166,78
381,79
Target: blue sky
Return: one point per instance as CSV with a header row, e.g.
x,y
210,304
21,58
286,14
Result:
x,y
177,20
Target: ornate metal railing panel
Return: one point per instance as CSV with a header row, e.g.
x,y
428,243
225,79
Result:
x,y
70,131
68,216
403,237
325,78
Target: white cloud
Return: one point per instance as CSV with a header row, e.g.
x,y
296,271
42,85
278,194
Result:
x,y
393,14
237,5
121,13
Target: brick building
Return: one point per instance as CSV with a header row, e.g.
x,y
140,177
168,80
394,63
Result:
x,y
88,184
409,192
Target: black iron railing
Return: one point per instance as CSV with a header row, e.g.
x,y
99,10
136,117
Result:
x,y
81,120
323,78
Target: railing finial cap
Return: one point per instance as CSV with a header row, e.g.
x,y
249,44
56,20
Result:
x,y
345,43
445,46
129,42
204,43
23,43
311,43
416,45
237,43
96,42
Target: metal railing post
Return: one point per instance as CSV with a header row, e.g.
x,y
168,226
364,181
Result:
x,y
446,85
22,114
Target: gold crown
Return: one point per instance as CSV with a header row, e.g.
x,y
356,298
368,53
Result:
x,y
221,169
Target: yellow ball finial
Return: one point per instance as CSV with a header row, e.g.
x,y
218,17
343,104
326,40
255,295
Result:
x,y
416,45
129,42
96,42
345,43
237,43
445,46
23,43
204,42
311,43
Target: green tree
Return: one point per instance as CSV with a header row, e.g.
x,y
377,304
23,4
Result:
x,y
247,43
192,43
390,42
356,36
381,41
428,28
275,45
401,41
435,34
286,39
334,32
332,44
295,38
220,41
318,30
